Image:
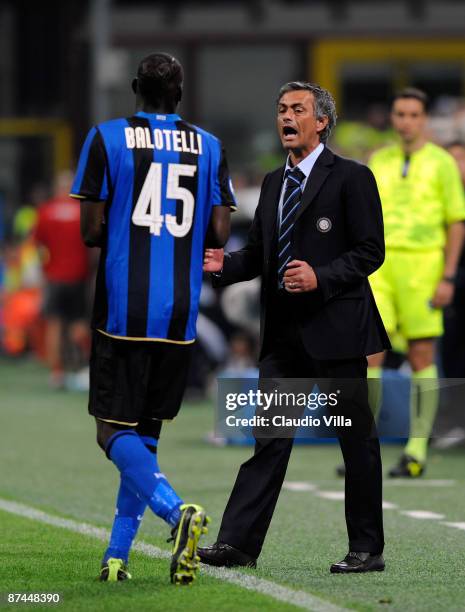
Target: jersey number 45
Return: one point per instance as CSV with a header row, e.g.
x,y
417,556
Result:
x,y
147,211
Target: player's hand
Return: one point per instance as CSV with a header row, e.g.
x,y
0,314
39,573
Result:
x,y
299,277
213,260
443,295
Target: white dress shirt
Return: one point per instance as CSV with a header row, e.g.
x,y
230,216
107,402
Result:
x,y
304,166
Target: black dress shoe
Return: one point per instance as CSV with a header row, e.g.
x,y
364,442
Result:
x,y
358,562
223,555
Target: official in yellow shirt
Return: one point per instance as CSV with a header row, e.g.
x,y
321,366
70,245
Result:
x,y
423,208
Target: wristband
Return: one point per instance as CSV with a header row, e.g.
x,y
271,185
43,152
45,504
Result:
x,y
449,279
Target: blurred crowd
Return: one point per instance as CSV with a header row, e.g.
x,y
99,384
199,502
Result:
x,y
46,282
47,275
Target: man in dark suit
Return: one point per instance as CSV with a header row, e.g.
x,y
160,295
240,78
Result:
x,y
316,236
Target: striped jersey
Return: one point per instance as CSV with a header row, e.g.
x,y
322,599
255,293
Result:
x,y
160,178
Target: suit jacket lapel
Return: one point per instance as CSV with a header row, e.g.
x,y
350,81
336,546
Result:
x,y
318,175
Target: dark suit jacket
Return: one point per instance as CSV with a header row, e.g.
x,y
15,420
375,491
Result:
x,y
339,232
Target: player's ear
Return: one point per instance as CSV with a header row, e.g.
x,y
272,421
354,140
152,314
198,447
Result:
x,y
178,94
134,85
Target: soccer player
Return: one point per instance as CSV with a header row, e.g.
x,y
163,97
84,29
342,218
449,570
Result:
x,y
65,263
155,190
423,208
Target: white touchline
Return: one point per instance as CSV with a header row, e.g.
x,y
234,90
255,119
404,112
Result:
x,y
455,525
335,495
423,514
418,483
389,506
310,486
300,599
300,486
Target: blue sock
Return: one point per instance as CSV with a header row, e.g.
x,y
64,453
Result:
x,y
165,490
128,516
141,475
129,512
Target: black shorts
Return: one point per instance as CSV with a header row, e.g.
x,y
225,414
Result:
x,y
65,301
132,380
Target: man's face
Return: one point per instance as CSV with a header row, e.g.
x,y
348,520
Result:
x,y
408,118
458,153
298,128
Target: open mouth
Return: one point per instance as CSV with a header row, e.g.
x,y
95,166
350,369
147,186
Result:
x,y
289,131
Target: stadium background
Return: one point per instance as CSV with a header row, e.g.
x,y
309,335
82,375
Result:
x,y
67,65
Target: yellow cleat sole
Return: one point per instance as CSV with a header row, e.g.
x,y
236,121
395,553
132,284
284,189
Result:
x,y
114,571
188,562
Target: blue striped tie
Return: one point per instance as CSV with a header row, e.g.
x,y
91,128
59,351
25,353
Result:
x,y
291,201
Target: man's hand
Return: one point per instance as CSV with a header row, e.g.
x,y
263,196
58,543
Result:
x,y
443,295
299,277
213,260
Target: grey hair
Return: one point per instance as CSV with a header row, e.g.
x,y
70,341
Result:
x,y
324,105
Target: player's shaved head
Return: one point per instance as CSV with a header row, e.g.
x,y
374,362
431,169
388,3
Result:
x,y
159,79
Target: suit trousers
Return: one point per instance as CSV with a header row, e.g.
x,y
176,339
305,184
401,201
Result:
x,y
253,499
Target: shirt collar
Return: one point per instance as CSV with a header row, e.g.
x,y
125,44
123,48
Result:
x,y
160,116
308,162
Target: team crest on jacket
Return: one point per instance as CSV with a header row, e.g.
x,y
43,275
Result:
x,y
324,224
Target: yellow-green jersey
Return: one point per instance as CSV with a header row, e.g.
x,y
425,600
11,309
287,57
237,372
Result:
x,y
421,195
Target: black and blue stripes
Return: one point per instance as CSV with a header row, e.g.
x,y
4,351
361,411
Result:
x,y
160,177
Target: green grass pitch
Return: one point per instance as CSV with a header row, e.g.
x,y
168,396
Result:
x,y
49,460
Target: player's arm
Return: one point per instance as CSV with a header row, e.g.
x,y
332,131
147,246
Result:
x,y
91,187
242,265
454,212
453,248
219,227
92,223
223,201
444,293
